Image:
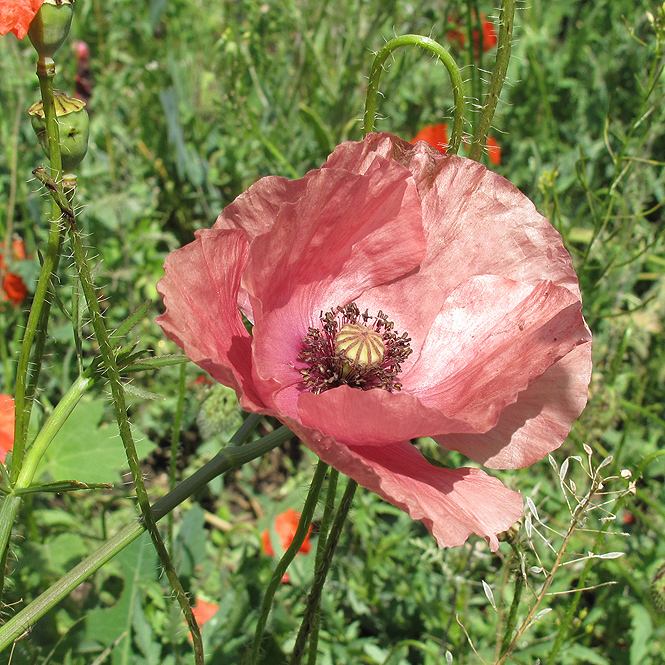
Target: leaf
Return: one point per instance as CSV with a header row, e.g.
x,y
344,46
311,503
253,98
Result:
x,y
490,596
641,629
63,486
87,449
126,326
191,542
138,564
585,655
139,392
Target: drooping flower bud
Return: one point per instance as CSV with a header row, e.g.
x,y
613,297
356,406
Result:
x,y
50,27
73,122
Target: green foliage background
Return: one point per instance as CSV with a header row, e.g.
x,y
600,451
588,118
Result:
x,y
192,102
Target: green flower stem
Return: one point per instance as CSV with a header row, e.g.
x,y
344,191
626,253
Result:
x,y
175,439
227,459
474,51
39,312
497,80
120,406
291,551
511,622
453,71
314,598
51,427
118,393
320,552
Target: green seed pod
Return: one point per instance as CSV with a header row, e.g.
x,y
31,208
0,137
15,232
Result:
x,y
50,27
73,124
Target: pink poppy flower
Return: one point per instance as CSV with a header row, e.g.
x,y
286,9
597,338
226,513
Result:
x,y
394,293
16,16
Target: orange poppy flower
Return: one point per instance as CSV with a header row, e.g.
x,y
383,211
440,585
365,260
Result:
x,y
493,150
434,135
13,286
490,40
437,137
6,425
204,611
16,16
286,524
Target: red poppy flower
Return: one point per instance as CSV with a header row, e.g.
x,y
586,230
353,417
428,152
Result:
x,y
204,611
16,16
493,150
490,40
6,425
434,135
286,525
394,293
437,137
13,286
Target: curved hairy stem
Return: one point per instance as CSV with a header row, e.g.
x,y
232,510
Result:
x,y
453,71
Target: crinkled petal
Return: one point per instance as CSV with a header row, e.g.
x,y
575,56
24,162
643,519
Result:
x,y
200,291
323,253
347,233
492,338
16,16
451,503
537,423
254,211
372,417
476,223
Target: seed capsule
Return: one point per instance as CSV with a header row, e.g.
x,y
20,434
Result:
x,y
73,125
360,344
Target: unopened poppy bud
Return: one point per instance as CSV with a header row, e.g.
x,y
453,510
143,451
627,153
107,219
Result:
x,y
50,27
73,123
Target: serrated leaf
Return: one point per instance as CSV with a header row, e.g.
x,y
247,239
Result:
x,y
139,392
87,449
63,486
158,361
126,326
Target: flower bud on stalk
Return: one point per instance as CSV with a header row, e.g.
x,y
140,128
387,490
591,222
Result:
x,y
73,122
50,28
